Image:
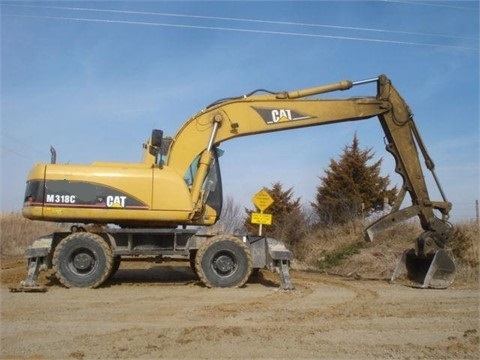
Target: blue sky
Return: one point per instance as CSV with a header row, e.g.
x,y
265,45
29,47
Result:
x,y
92,78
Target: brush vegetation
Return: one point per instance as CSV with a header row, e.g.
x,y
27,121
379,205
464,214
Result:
x,y
341,250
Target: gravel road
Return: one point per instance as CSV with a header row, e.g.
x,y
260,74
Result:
x,y
151,311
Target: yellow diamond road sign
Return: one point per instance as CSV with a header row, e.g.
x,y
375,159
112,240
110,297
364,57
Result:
x,y
262,200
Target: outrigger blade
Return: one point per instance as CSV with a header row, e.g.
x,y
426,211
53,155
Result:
x,y
434,270
37,255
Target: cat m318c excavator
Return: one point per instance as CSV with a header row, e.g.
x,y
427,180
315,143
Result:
x,y
156,207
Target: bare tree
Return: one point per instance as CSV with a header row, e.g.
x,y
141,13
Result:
x,y
232,218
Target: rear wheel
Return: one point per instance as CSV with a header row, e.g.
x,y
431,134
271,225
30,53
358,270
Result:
x,y
223,261
82,260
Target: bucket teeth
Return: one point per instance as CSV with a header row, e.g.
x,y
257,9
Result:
x,y
434,270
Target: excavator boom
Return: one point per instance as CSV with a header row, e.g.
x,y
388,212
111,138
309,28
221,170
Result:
x,y
258,114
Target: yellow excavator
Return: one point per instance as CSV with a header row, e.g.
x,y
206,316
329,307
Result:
x,y
157,207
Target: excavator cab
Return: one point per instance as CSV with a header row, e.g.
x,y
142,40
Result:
x,y
212,185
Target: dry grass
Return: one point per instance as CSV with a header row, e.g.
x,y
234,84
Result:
x,y
466,248
17,233
341,250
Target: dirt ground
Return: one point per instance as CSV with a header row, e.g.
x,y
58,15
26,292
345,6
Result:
x,y
150,311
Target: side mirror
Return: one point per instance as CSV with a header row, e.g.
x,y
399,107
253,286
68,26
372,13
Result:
x,y
155,142
156,139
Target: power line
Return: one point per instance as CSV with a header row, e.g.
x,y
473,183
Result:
x,y
4,134
443,4
271,32
15,152
233,19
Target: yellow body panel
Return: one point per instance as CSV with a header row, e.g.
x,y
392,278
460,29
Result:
x,y
37,172
164,195
136,179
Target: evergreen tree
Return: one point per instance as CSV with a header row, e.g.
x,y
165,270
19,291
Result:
x,y
289,222
352,188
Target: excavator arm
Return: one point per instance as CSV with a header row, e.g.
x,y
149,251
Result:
x,y
256,114
403,138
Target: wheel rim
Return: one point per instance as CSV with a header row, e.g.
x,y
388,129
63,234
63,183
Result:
x,y
82,261
224,264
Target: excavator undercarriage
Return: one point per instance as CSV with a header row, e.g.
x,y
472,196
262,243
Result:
x,y
80,258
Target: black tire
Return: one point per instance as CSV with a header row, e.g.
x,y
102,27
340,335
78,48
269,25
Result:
x,y
82,260
223,261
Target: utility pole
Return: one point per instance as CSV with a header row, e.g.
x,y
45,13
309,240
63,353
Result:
x,y
477,214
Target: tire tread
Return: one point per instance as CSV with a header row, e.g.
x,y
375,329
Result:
x,y
213,240
74,237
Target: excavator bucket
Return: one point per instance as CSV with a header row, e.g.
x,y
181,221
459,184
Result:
x,y
435,270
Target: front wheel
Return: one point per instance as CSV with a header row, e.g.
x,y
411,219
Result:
x,y
82,259
223,261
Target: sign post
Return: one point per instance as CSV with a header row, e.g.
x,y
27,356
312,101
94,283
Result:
x,y
262,200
